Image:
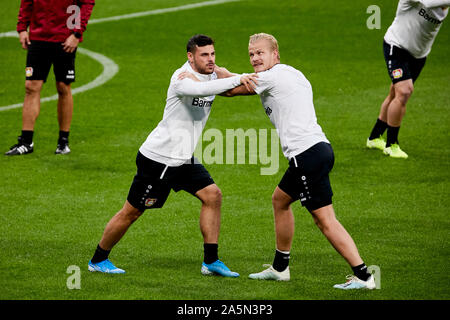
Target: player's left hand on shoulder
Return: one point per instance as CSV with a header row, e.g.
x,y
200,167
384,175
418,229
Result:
x,y
222,72
250,81
70,44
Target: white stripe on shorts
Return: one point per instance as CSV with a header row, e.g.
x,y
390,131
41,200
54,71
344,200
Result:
x,y
164,171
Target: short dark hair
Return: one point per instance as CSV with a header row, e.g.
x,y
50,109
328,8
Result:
x,y
199,40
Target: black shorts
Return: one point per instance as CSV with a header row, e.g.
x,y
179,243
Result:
x,y
42,55
401,64
307,178
153,181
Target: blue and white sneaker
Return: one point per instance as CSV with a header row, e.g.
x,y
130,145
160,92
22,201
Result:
x,y
104,266
353,282
218,268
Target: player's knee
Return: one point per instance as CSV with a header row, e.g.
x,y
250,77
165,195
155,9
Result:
x,y
130,214
317,222
404,91
216,196
32,87
323,223
279,202
62,88
275,200
324,218
212,197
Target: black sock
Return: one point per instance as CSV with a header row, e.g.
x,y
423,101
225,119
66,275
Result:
x,y
392,135
63,137
378,130
210,252
100,255
27,136
361,272
281,261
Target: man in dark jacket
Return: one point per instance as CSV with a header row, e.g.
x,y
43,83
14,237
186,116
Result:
x,y
50,30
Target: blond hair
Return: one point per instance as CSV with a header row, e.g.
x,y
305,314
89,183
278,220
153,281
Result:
x,y
265,36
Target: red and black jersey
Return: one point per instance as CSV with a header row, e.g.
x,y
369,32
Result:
x,y
49,20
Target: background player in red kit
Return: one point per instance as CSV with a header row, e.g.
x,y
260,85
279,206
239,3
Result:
x,y
50,31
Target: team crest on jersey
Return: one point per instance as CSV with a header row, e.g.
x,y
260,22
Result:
x,y
397,73
28,71
150,201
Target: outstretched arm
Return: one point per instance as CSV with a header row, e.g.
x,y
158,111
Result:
x,y
188,85
434,3
239,91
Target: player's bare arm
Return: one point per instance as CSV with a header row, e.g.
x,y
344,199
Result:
x,y
239,91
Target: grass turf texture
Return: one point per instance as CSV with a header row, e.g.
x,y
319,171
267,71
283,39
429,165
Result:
x,y
53,209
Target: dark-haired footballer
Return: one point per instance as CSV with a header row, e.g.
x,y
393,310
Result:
x,y
165,160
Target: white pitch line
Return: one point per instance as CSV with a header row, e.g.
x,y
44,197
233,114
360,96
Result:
x,y
160,11
110,68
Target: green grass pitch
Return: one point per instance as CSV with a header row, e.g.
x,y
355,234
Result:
x,y
53,209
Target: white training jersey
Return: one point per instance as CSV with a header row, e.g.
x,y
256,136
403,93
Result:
x,y
188,105
416,25
287,98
